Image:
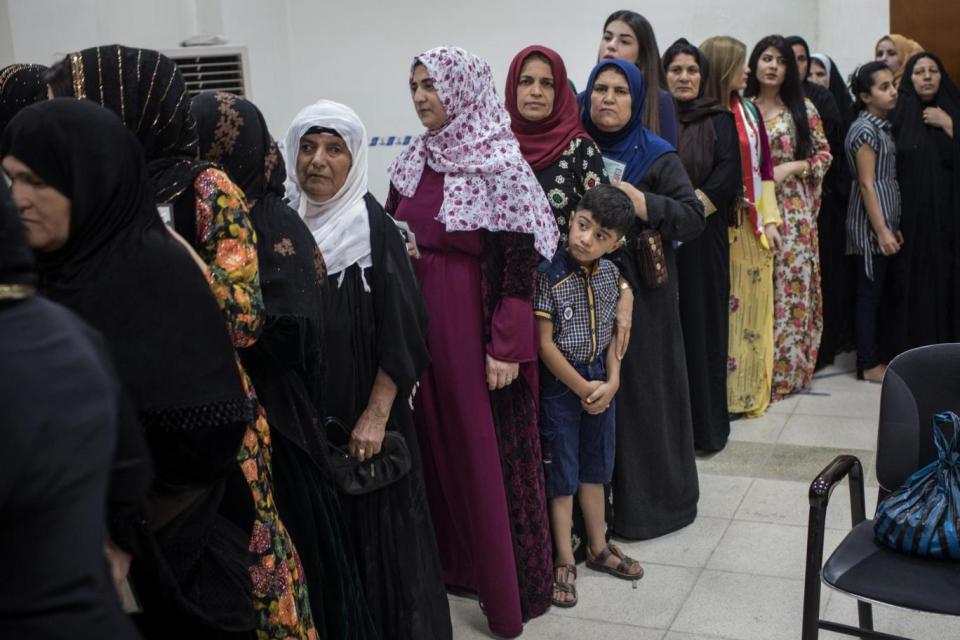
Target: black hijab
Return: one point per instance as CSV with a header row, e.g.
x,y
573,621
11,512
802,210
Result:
x,y
234,134
146,89
697,136
20,86
17,271
907,117
120,269
928,171
841,95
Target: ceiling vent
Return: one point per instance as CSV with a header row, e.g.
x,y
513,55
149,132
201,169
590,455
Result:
x,y
213,69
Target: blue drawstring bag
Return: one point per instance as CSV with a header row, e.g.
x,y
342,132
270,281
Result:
x,y
921,518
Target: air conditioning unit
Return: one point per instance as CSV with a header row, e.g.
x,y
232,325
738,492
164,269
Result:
x,y
220,68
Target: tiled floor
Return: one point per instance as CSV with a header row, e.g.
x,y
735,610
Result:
x,y
736,573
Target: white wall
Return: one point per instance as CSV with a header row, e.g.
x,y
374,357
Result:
x,y
359,51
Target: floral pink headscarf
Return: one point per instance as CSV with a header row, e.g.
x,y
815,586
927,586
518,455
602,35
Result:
x,y
487,183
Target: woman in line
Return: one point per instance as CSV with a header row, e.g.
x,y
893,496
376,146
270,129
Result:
x,y
146,90
104,253
831,221
710,154
895,50
754,236
923,289
629,36
824,71
567,163
285,363
482,223
873,227
21,85
375,348
76,458
655,486
801,157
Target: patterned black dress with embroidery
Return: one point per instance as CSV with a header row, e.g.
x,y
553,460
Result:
x,y
565,181
579,168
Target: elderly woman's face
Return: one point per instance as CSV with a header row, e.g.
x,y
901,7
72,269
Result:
x,y
610,101
683,77
818,74
426,100
44,211
926,78
323,163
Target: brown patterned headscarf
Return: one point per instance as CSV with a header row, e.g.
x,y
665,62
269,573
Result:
x,y
145,88
234,134
21,85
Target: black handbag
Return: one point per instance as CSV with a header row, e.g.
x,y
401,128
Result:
x,y
357,478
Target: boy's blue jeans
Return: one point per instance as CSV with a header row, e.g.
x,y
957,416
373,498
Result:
x,y
577,447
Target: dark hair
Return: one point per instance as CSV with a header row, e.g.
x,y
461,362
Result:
x,y
683,46
648,61
59,77
791,92
610,207
794,40
862,81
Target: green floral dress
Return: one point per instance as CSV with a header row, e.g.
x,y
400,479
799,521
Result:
x,y
227,244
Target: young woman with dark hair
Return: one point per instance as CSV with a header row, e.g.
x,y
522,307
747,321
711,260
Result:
x,y
801,157
873,218
835,269
629,36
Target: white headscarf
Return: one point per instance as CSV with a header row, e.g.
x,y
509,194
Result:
x,y
824,62
340,225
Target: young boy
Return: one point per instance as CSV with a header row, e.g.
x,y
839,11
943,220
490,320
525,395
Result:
x,y
575,304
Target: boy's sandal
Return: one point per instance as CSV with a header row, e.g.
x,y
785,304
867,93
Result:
x,y
622,570
561,583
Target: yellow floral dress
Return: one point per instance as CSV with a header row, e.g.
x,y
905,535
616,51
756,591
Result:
x,y
797,300
226,242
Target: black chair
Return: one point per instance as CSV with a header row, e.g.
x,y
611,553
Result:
x,y
918,384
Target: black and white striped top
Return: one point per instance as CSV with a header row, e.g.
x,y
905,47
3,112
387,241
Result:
x,y
873,131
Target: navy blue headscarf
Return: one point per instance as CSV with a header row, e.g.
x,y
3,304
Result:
x,y
634,145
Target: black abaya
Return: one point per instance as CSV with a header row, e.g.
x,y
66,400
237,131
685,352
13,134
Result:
x,y
921,303
835,265
384,328
655,485
703,266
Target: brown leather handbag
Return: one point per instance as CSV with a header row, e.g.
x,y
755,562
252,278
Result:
x,y
651,261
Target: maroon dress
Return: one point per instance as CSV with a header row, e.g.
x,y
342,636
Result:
x,y
492,528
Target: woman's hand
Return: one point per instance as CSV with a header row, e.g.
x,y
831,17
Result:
x,y
367,435
889,244
193,254
636,197
621,332
783,171
119,561
500,374
773,236
937,117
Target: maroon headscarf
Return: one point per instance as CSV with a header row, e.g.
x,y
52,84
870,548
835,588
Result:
x,y
542,142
